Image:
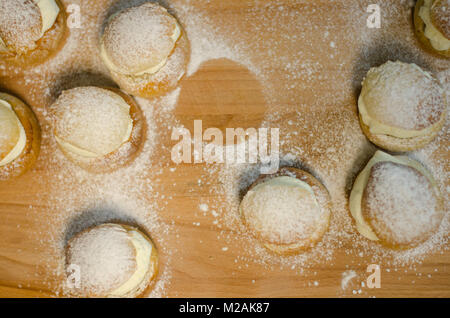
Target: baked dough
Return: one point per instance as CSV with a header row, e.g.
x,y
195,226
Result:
x,y
112,260
288,211
396,202
31,32
432,25
20,137
99,129
401,107
145,49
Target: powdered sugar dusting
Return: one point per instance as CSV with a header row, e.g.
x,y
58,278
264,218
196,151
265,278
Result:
x,y
146,29
105,257
402,203
92,118
20,24
413,95
281,214
310,62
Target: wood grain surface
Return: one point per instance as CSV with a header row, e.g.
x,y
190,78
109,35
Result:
x,y
326,38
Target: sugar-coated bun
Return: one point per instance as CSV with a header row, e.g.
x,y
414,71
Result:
x,y
99,129
20,137
396,201
20,24
31,32
288,211
145,49
401,107
111,260
432,25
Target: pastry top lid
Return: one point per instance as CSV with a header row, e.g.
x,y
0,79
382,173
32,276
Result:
x,y
282,210
140,38
440,16
400,203
402,95
9,129
105,256
93,119
20,24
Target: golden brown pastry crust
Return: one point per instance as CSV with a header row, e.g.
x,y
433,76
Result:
x,y
33,144
369,212
163,81
323,199
127,151
419,27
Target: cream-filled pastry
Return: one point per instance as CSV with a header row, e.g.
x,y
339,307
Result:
x,y
288,211
111,260
145,49
401,107
432,25
20,137
100,129
31,31
396,201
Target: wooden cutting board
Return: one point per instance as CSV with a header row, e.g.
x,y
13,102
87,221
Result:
x,y
291,56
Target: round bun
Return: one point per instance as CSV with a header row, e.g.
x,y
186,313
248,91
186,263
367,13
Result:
x,y
20,25
401,107
25,43
432,25
396,201
99,129
19,132
145,49
111,260
288,211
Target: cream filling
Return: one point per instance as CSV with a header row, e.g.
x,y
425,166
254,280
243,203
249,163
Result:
x,y
21,143
378,128
143,262
3,46
152,70
437,39
361,182
86,153
49,12
287,181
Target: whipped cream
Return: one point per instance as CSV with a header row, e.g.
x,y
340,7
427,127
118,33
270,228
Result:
x,y
143,254
378,128
437,39
86,153
49,12
287,182
21,142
